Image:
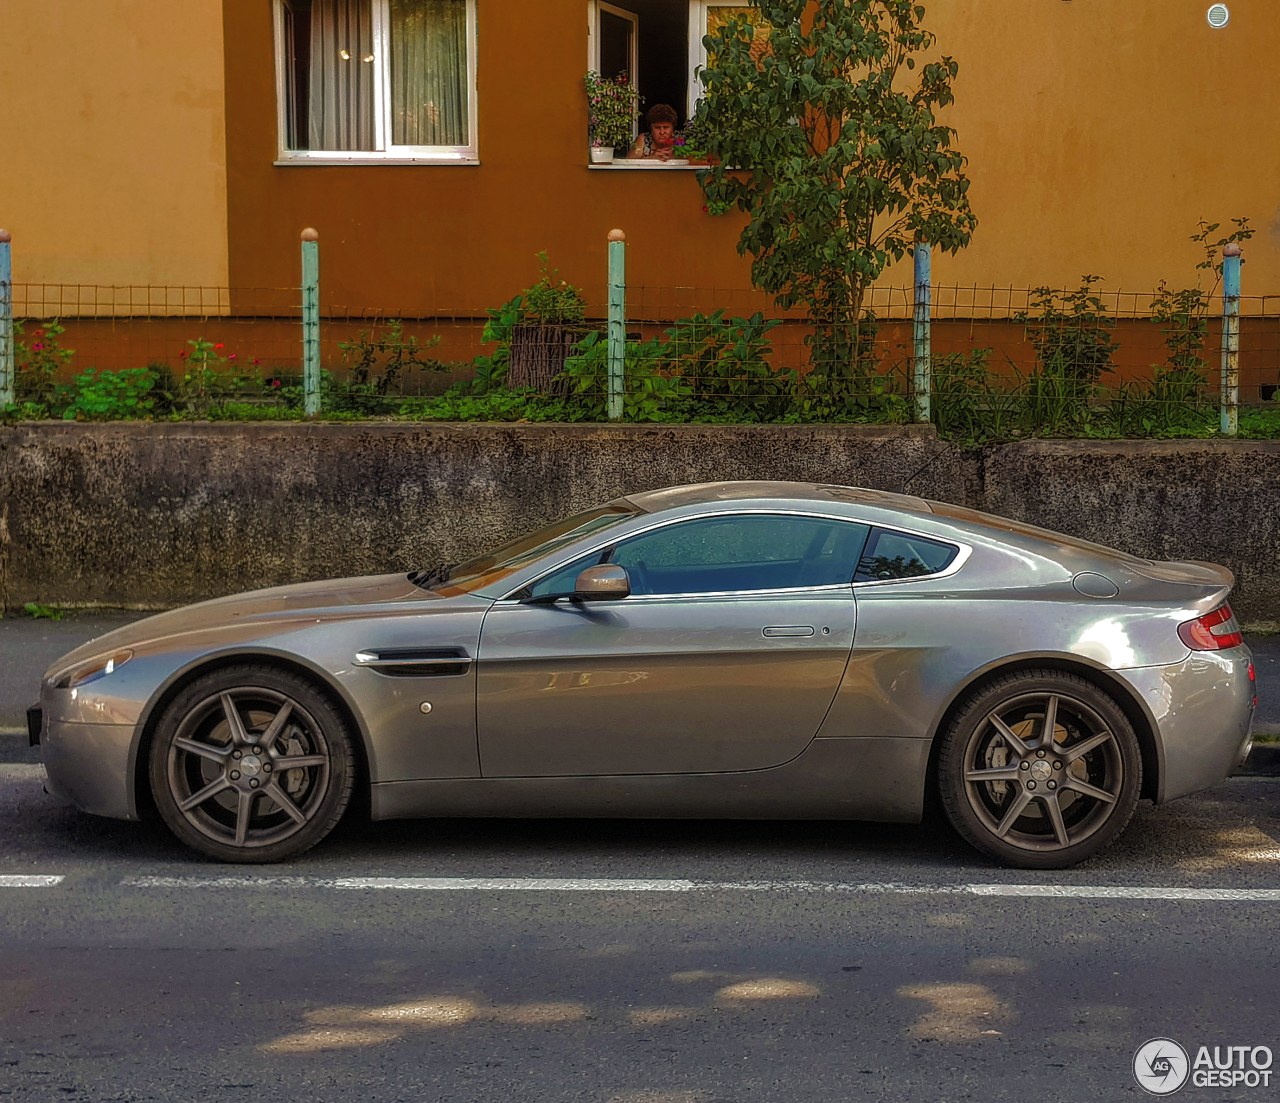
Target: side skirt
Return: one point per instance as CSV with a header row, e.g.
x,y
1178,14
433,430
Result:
x,y
837,779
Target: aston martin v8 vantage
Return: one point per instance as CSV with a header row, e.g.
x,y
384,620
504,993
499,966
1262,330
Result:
x,y
748,650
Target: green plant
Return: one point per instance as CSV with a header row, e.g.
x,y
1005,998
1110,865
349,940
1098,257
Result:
x,y
725,363
39,361
651,391
612,107
374,366
552,301
1070,331
1212,260
960,399
113,395
37,611
833,149
208,378
491,370
549,301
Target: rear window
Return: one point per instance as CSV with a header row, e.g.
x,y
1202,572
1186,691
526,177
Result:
x,y
889,555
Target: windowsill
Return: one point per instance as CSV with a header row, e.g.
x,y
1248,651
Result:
x,y
293,162
635,164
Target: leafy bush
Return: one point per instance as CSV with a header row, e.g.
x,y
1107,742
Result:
x,y
552,301
375,364
39,361
113,395
209,378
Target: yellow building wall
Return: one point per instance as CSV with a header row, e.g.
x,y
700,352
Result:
x,y
1099,131
114,161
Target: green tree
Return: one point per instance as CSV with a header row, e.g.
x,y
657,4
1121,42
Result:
x,y
829,140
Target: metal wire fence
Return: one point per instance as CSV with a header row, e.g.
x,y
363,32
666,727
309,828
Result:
x,y
1002,361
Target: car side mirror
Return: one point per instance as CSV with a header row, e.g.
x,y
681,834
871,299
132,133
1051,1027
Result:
x,y
607,582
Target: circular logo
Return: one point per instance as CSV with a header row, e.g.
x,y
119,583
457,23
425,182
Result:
x,y
1161,1066
1041,770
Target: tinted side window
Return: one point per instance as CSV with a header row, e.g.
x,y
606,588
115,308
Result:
x,y
748,552
902,555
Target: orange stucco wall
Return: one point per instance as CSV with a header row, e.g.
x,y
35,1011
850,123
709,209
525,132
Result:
x,y
114,167
1097,133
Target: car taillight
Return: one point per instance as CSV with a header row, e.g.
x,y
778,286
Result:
x,y
1214,631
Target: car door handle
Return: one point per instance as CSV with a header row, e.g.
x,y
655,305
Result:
x,y
789,630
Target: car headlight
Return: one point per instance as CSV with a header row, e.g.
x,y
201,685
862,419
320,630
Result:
x,y
92,670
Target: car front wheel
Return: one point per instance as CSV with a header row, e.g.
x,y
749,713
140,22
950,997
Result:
x,y
251,764
1040,769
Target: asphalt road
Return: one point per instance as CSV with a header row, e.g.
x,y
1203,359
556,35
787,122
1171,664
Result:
x,y
622,962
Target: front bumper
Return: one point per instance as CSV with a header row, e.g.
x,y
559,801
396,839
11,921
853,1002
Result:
x,y
1203,710
92,767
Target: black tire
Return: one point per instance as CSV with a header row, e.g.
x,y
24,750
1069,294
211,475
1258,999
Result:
x,y
1001,781
251,763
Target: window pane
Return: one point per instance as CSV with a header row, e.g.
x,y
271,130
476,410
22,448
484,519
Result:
x,y
899,555
429,72
757,552
330,74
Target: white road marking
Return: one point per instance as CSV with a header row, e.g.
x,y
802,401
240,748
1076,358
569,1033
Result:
x,y
623,885
1126,892
29,880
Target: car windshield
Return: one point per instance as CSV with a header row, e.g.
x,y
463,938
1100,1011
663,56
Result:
x,y
488,569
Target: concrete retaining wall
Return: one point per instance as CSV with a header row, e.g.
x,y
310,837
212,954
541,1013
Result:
x,y
138,515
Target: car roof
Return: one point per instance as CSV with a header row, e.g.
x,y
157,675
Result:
x,y
672,497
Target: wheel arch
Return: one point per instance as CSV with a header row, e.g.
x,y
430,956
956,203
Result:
x,y
287,661
1116,688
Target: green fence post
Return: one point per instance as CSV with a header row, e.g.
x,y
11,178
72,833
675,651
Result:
x,y
1230,411
8,371
617,319
310,322
922,358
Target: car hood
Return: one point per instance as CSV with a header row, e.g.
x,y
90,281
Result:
x,y
333,598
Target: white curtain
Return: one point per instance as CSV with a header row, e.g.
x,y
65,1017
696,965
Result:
x,y
340,112
429,72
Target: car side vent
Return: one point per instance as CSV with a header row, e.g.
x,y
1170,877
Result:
x,y
415,662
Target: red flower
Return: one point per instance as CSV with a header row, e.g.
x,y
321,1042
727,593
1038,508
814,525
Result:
x,y
232,356
275,384
182,355
37,347
38,333
218,345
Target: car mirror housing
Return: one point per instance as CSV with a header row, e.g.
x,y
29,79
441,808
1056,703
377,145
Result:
x,y
607,582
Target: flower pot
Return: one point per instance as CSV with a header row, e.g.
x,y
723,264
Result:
x,y
602,155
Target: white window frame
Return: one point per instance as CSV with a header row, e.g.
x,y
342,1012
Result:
x,y
385,153
594,7
698,10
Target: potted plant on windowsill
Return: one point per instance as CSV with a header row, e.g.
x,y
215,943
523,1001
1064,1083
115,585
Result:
x,y
612,106
693,143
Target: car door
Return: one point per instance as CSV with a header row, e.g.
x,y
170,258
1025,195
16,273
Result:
x,y
725,656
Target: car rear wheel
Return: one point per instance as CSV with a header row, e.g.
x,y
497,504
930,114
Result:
x,y
1040,769
251,764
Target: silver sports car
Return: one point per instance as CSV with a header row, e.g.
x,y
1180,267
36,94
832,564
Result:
x,y
750,650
